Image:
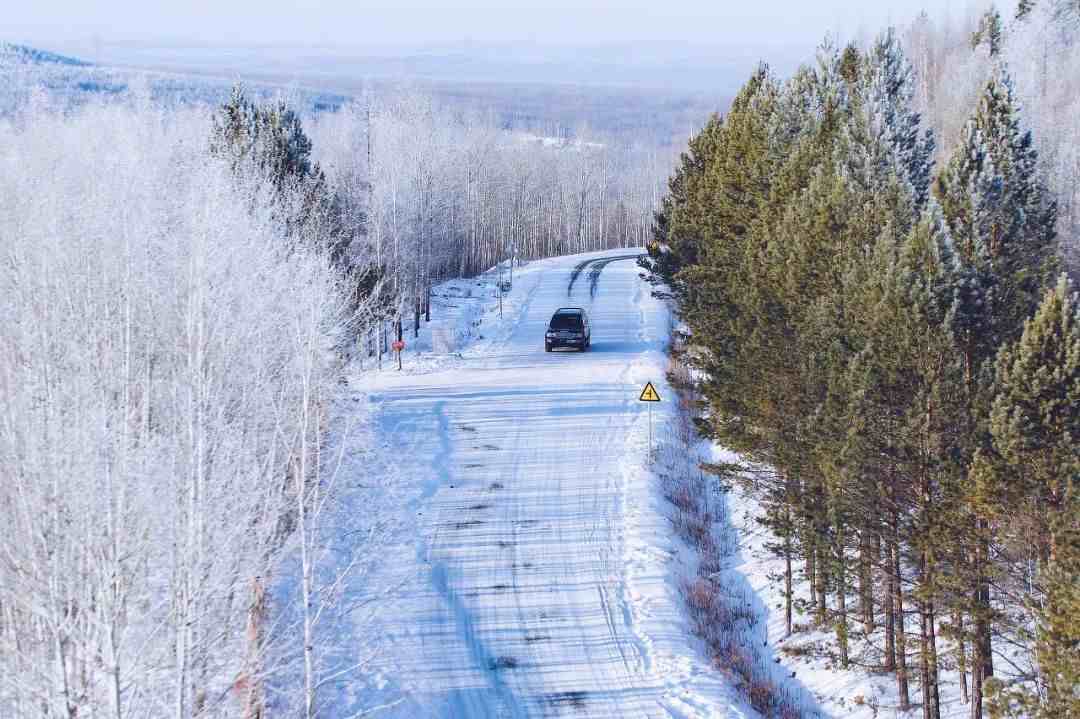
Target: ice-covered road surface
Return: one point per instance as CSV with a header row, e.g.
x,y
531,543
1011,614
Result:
x,y
539,580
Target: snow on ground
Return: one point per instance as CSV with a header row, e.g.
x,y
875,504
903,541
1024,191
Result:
x,y
531,570
726,612
857,692
524,562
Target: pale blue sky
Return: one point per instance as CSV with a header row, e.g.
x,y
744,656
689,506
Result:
x,y
417,23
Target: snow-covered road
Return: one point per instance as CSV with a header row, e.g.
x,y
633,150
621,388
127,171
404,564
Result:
x,y
539,580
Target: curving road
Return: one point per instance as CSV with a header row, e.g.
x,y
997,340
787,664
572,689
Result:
x,y
538,582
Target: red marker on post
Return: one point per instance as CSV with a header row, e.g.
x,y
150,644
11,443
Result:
x,y
397,346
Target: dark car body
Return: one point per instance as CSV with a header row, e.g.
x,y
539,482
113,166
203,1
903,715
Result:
x,y
569,327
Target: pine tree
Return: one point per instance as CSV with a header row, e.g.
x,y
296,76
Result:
x,y
1035,471
906,375
676,230
731,189
1002,222
1001,218
271,137
889,89
266,143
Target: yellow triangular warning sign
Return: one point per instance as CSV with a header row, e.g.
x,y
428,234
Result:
x,y
649,394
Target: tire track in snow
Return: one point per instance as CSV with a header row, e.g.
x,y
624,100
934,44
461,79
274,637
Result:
x,y
540,600
607,527
578,269
595,266
468,703
598,267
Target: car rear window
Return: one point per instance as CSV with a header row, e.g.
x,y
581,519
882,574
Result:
x,y
566,322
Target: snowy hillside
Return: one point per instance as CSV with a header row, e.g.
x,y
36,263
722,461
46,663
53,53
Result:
x,y
69,81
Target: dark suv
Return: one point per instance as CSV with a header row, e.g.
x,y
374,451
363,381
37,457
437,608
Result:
x,y
569,327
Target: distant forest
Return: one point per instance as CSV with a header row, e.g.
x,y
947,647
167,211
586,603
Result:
x,y
652,115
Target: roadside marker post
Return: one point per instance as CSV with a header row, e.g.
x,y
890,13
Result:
x,y
398,345
649,395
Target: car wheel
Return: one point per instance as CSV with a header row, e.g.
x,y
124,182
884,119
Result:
x,y
547,347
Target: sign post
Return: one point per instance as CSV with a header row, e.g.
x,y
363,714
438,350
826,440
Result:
x,y
398,346
650,395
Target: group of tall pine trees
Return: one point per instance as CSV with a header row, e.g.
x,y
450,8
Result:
x,y
893,339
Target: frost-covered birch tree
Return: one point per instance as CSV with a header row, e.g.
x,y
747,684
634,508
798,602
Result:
x,y
150,306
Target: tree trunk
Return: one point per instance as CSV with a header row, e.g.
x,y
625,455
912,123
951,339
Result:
x,y
250,685
935,695
982,657
841,600
890,611
924,662
822,582
901,638
866,590
927,647
976,683
787,572
961,655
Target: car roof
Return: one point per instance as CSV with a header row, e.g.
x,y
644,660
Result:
x,y
570,311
